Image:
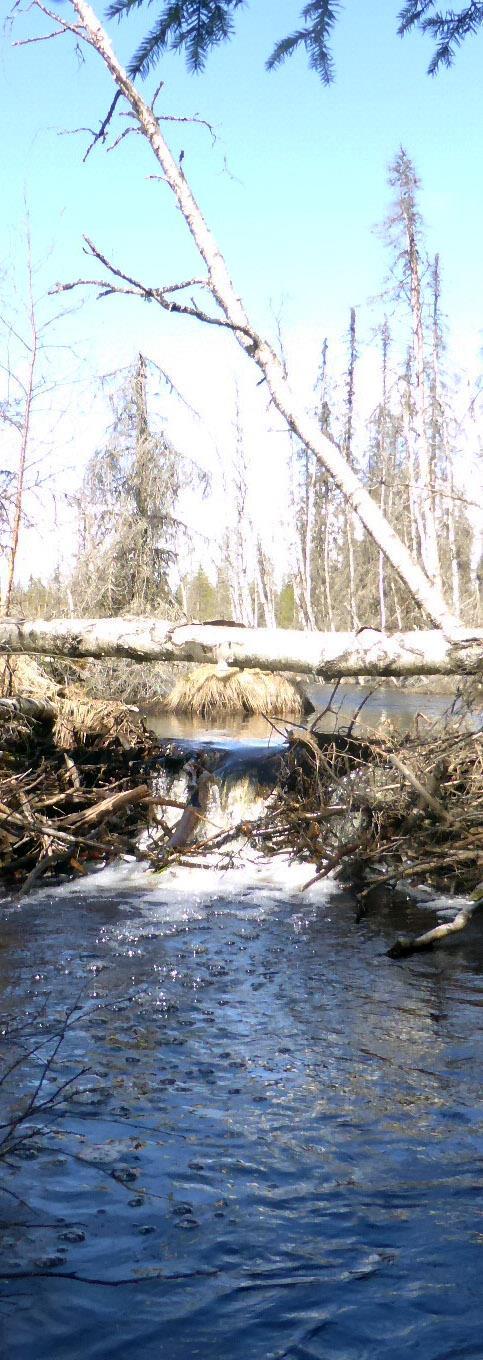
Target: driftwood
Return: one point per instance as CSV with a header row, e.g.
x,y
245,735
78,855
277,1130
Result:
x,y
412,944
22,706
329,655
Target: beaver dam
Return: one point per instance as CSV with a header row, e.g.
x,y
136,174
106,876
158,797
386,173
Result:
x,y
85,782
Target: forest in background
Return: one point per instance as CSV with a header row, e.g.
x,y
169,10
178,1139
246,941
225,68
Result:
x,y
417,454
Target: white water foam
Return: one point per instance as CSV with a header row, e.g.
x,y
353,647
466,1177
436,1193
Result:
x,y
243,872
236,871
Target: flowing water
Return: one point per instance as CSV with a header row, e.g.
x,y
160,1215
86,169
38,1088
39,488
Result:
x,y
270,1143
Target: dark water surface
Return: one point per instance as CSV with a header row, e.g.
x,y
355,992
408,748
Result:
x,y
375,704
277,1148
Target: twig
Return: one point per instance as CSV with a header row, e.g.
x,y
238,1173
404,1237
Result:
x,y
100,135
412,779
332,863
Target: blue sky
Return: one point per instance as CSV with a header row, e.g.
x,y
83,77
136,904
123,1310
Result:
x,y
308,163
292,187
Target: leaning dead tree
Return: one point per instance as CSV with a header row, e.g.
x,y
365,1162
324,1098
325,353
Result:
x,y
281,649
229,312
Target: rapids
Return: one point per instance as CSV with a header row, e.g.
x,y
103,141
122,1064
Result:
x,y
266,1143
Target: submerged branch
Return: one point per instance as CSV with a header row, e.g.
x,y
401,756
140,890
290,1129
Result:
x,y
405,945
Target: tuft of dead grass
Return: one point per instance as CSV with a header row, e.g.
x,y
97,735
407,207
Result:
x,y
207,692
22,676
79,716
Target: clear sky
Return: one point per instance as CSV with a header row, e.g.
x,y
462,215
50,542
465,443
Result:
x,y
292,187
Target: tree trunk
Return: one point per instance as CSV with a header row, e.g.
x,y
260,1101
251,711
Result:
x,y
425,491
453,554
348,451
304,426
24,442
264,582
303,497
383,462
368,652
328,592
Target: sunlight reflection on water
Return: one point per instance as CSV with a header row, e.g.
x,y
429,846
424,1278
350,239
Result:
x,y
269,1144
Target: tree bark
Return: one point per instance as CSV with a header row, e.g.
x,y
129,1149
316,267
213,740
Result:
x,y
279,649
24,442
304,426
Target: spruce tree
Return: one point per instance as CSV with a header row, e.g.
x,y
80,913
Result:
x,y
130,531
195,27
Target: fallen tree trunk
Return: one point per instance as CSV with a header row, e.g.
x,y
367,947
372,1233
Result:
x,y
328,655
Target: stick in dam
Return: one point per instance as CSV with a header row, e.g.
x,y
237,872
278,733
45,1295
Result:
x,y
329,655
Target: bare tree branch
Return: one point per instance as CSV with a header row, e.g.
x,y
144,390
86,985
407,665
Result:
x,y
100,135
136,288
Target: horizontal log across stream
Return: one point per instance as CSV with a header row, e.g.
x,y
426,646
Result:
x,y
328,655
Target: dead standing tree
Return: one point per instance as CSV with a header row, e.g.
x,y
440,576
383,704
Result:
x,y
230,314
16,413
402,232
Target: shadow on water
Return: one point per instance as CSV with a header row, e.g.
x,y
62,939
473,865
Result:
x,y
276,1149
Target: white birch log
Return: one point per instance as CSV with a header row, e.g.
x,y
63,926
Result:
x,y
328,655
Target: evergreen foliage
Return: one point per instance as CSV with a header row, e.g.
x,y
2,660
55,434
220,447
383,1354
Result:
x,y
319,18
201,597
449,29
196,26
286,609
130,527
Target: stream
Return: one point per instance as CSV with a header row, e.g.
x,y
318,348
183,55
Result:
x,y
261,1137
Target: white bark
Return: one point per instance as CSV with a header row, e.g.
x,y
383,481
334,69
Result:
x,y
303,517
264,585
352,581
328,595
425,489
416,525
28,390
299,422
453,553
308,532
281,649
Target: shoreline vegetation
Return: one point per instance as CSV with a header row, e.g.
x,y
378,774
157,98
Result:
x,y
380,811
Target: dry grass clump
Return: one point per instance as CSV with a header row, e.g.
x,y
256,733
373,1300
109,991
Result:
x,y
22,675
208,692
73,713
79,716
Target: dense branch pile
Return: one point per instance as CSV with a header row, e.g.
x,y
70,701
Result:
x,y
376,811
383,810
61,810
